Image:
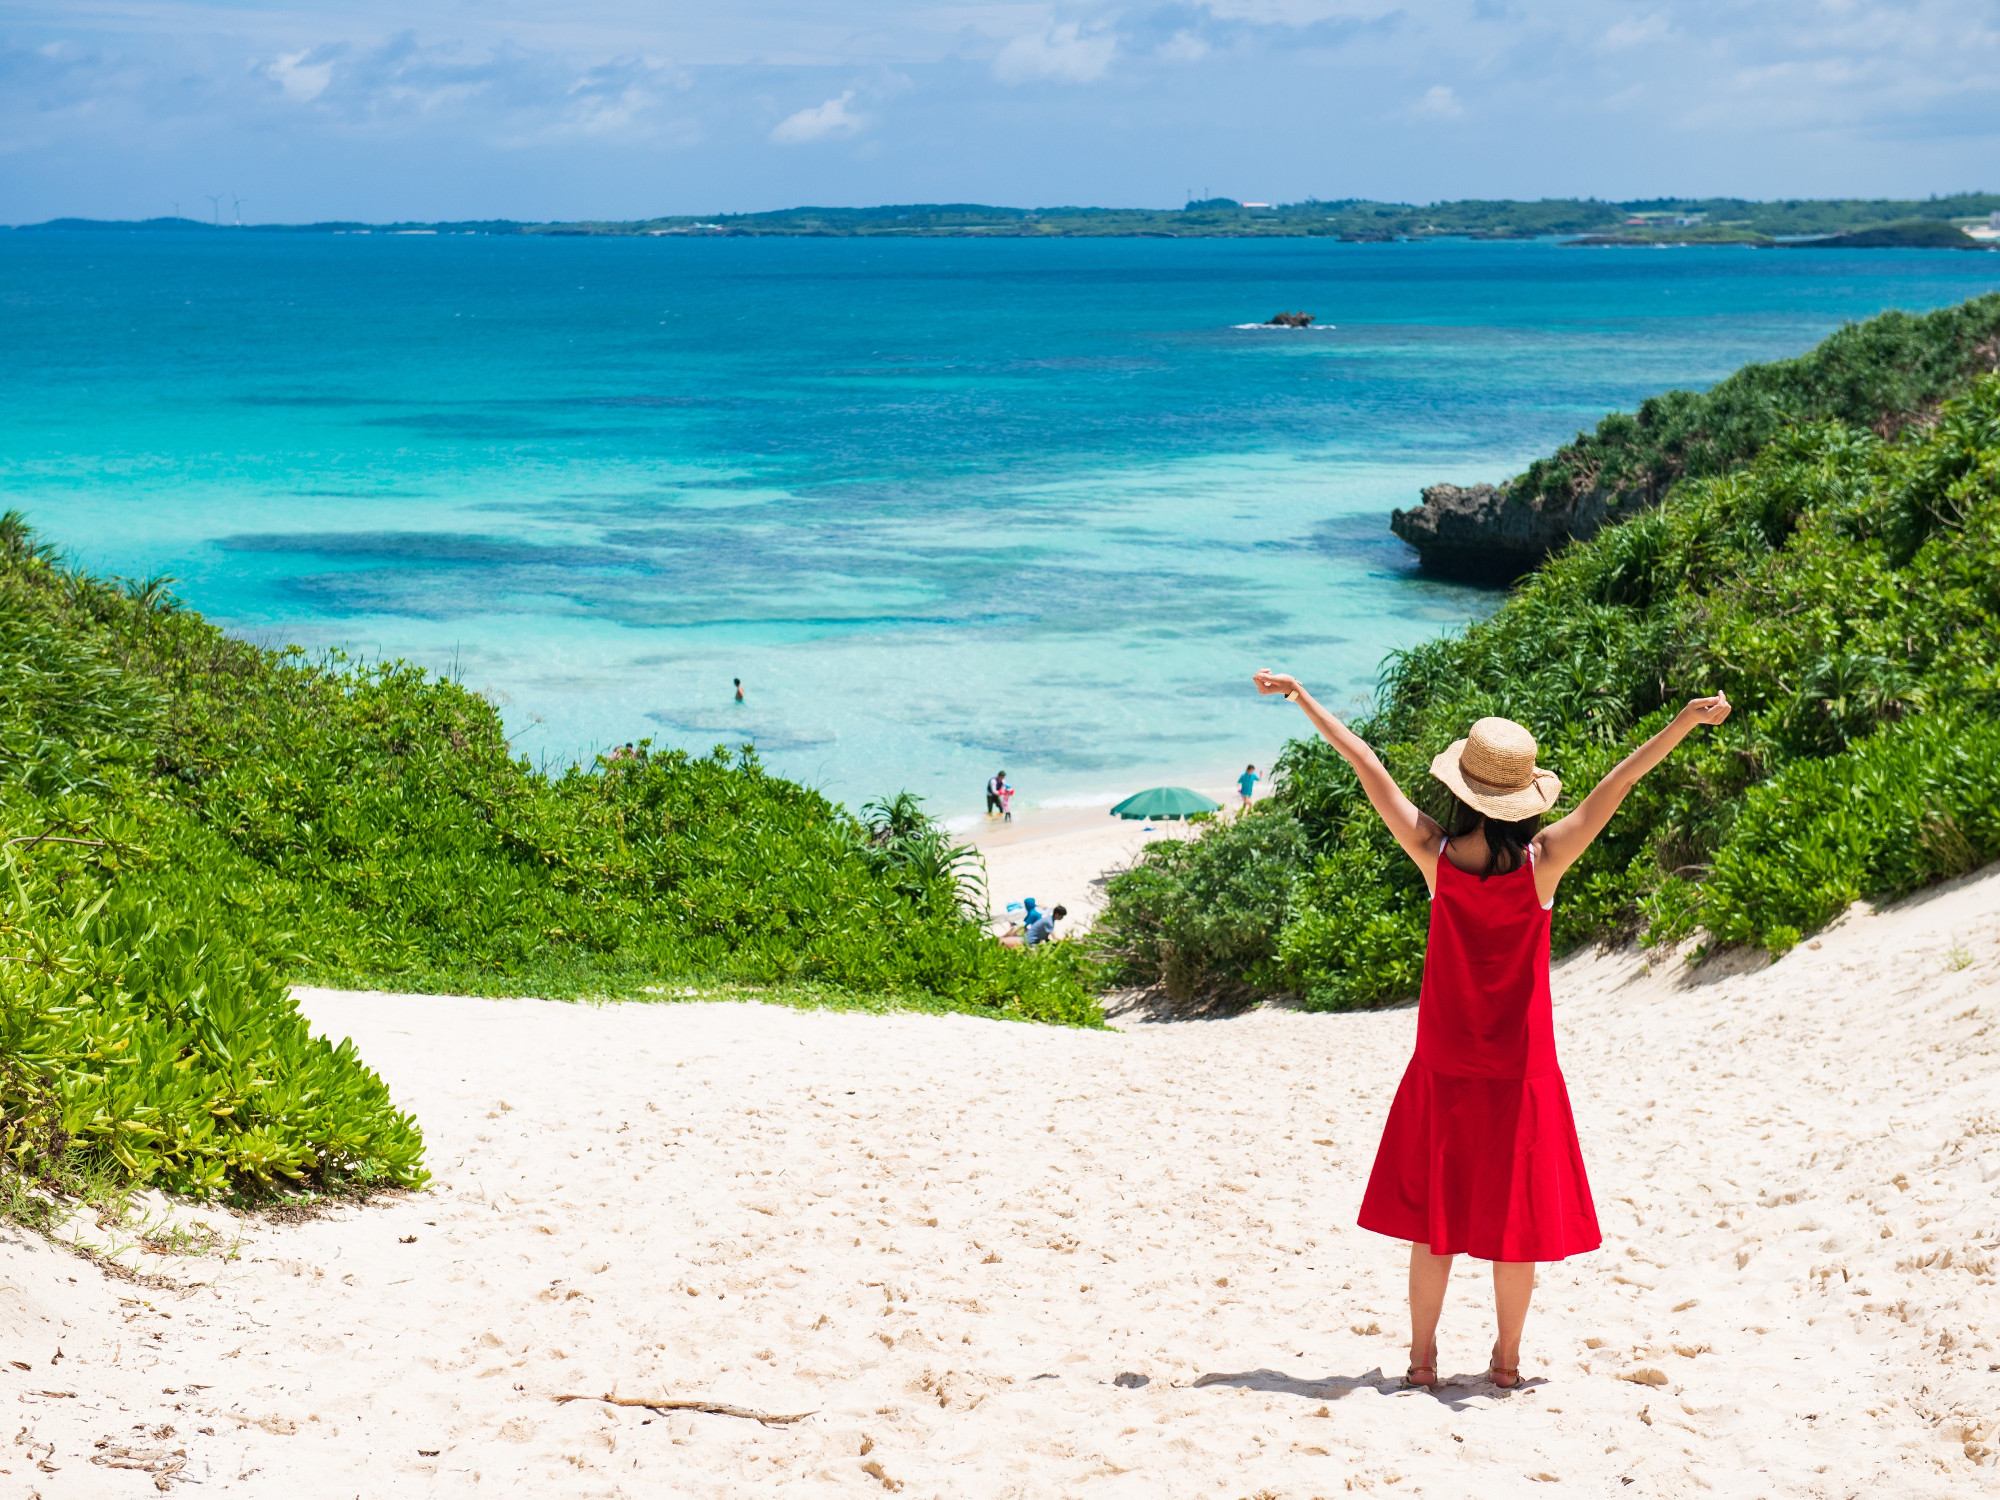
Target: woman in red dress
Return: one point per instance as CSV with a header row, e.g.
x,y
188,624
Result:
x,y
1480,1154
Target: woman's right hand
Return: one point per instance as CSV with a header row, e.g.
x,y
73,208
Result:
x,y
1269,682
1709,710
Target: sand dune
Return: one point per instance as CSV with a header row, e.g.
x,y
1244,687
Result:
x,y
947,1239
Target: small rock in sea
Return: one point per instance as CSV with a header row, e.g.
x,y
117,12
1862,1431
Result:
x,y
1132,1380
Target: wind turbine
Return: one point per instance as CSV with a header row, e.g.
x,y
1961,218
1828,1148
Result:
x,y
236,204
215,202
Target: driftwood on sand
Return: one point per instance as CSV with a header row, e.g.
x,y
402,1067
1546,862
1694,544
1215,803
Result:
x,y
666,1404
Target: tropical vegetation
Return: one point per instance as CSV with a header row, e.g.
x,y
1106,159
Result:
x,y
1882,374
1839,578
190,824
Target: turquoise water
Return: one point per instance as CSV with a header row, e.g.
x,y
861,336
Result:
x,y
944,505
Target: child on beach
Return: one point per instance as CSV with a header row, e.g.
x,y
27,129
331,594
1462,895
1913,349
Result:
x,y
1480,1153
1246,784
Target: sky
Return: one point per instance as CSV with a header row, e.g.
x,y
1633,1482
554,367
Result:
x,y
457,109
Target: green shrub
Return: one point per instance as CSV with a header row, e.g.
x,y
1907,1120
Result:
x,y
1881,375
137,1032
1202,916
1914,803
1344,947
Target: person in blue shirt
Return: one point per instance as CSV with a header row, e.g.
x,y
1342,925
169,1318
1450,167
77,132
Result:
x,y
1247,784
1042,925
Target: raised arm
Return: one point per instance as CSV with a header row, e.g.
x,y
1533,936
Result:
x,y
1562,843
1413,828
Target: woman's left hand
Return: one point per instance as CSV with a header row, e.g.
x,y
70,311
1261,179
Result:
x,y
1269,682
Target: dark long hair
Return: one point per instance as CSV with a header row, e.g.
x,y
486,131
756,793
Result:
x,y
1506,843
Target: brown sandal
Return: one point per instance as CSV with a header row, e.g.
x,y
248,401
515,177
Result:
x,y
1505,1379
1410,1380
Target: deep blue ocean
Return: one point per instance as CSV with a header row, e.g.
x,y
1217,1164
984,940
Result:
x,y
943,505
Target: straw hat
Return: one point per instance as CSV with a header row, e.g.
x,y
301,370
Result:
x,y
1493,770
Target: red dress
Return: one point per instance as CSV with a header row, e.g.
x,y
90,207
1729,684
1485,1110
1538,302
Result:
x,y
1480,1154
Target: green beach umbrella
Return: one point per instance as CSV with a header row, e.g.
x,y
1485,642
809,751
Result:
x,y
1164,802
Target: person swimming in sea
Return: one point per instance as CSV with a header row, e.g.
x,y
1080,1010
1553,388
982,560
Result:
x,y
1480,1154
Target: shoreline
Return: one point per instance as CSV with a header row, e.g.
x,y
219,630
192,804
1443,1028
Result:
x,y
1089,807
1062,853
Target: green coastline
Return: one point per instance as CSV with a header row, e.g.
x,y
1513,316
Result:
x,y
1640,221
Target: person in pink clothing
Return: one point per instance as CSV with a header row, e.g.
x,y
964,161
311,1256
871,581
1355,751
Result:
x,y
1479,1155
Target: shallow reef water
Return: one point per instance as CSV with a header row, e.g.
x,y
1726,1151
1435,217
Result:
x,y
943,505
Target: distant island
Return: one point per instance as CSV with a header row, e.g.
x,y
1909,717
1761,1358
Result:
x,y
1963,221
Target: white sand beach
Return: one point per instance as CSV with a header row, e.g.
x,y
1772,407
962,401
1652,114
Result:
x,y
947,1241
1060,856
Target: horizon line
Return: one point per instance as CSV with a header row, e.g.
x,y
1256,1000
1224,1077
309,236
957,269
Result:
x,y
1656,204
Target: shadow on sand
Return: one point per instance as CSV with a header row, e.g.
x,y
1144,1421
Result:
x,y
1456,1391
1152,1006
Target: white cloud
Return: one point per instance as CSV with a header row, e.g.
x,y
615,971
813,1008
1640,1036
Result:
x,y
619,98
1299,12
1627,34
516,98
1063,53
1440,103
301,79
1182,46
832,118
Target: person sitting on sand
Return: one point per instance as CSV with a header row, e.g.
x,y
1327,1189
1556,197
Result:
x,y
1479,1154
1017,930
1043,927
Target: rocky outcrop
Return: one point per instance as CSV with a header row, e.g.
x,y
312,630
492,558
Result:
x,y
1886,374
1487,533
